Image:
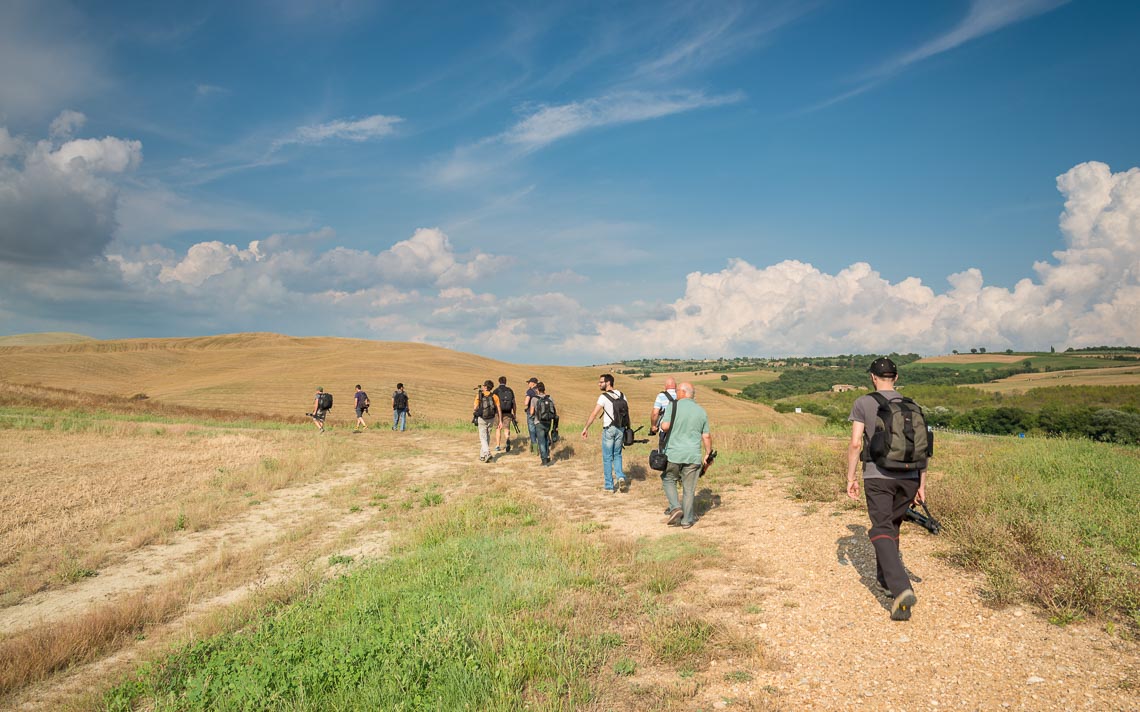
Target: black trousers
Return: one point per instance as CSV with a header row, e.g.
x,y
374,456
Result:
x,y
887,502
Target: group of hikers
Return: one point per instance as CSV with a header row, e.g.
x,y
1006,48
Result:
x,y
323,403
888,436
496,410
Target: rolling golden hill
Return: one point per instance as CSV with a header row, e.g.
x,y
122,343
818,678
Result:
x,y
277,375
43,338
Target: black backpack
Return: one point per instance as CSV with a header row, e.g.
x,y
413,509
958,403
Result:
x,y
486,407
901,440
324,401
544,410
506,399
400,400
621,410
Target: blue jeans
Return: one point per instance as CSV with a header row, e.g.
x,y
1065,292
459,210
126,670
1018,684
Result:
x,y
399,419
532,426
687,475
541,435
612,444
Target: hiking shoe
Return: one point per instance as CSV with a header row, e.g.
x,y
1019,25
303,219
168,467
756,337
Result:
x,y
900,609
687,525
675,517
607,489
498,449
623,485
508,447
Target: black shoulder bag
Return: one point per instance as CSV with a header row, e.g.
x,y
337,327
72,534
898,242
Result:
x,y
657,459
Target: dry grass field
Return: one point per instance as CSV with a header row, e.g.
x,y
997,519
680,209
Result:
x,y
1113,376
976,358
270,374
130,525
45,338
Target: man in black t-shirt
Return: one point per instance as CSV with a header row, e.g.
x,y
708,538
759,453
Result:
x,y
400,408
889,493
507,402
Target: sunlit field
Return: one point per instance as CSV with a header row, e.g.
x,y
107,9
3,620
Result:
x,y
209,558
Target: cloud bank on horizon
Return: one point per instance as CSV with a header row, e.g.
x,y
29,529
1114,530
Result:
x,y
1088,295
59,262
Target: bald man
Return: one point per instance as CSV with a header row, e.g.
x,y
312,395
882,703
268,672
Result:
x,y
664,398
688,431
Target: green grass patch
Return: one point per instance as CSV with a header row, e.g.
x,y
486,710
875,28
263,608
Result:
x,y
1051,520
463,617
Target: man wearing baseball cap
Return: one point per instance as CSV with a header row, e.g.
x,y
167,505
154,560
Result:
x,y
531,425
888,492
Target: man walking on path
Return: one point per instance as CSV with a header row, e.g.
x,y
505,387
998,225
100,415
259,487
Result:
x,y
688,432
399,408
612,433
531,426
361,407
542,413
488,414
507,403
664,398
319,413
889,493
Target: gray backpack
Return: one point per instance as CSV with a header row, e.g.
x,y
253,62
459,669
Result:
x,y
901,440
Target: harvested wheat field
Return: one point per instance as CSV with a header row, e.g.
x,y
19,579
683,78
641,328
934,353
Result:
x,y
976,358
261,374
131,527
1111,376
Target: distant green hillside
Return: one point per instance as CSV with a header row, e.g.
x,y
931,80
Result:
x,y
44,338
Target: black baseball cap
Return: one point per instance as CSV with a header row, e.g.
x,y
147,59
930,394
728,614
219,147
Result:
x,y
883,367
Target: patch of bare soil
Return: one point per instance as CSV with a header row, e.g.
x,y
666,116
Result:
x,y
796,579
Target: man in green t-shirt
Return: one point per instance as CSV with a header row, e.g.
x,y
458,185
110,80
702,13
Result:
x,y
688,432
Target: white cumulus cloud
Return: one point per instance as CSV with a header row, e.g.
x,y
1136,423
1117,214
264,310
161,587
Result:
x,y
58,201
1089,295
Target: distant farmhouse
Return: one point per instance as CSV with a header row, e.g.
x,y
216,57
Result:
x,y
844,387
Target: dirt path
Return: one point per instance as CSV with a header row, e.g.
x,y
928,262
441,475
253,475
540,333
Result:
x,y
809,572
797,578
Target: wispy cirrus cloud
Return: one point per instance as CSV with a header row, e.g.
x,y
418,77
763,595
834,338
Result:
x,y
262,150
698,36
545,124
984,17
356,130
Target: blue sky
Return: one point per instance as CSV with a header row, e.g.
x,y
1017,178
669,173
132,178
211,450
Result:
x,y
574,182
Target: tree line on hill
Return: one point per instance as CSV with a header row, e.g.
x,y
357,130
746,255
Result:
x,y
802,381
1103,413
